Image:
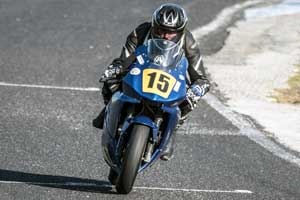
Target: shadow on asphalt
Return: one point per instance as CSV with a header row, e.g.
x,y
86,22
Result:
x,y
62,182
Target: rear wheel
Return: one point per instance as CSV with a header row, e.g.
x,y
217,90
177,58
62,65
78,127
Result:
x,y
132,159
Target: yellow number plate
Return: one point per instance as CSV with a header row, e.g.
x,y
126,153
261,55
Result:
x,y
158,82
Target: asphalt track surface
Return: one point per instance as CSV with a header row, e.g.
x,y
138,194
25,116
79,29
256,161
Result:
x,y
48,148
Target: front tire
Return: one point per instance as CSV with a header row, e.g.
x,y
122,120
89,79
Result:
x,y
132,159
113,176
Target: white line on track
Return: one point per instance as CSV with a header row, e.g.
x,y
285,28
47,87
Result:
x,y
194,190
70,184
50,87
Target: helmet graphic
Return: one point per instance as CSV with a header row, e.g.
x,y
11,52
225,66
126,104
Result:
x,y
169,17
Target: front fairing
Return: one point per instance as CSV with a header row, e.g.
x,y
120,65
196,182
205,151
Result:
x,y
151,81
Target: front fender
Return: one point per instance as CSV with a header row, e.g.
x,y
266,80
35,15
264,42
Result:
x,y
144,120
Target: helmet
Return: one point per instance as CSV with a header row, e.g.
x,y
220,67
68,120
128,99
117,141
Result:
x,y
169,17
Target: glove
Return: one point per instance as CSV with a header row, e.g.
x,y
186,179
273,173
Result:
x,y
112,71
199,90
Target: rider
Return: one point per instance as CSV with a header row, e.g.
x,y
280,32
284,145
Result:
x,y
168,22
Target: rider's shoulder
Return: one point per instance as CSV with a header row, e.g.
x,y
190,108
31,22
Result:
x,y
142,31
144,26
189,35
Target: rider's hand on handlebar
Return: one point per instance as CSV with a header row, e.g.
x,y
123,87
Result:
x,y
200,90
111,72
196,91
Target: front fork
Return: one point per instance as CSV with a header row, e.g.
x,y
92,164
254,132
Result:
x,y
151,143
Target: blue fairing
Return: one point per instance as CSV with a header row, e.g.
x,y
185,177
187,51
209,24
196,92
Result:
x,y
163,85
134,79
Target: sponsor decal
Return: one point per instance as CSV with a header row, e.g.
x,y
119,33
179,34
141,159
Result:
x,y
135,71
140,59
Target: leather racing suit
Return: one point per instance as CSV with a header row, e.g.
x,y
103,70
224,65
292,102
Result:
x,y
196,72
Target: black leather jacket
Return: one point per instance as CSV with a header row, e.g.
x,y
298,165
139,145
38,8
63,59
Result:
x,y
191,49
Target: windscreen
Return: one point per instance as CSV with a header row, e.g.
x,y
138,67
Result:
x,y
163,52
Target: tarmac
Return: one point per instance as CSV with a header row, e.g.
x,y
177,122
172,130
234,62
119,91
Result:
x,y
260,55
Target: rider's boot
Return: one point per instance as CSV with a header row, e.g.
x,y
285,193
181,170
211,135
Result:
x,y
99,120
167,154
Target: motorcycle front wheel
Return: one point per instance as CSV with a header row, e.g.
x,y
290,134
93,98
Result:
x,y
133,156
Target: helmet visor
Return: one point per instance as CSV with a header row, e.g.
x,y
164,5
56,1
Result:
x,y
161,33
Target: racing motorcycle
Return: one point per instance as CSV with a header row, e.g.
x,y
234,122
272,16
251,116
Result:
x,y
142,115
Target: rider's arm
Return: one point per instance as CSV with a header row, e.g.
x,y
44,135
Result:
x,y
199,81
134,39
192,51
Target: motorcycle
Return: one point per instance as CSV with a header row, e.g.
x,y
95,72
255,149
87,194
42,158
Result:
x,y
142,115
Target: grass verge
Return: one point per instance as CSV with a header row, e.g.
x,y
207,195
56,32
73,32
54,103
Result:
x,y
292,94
